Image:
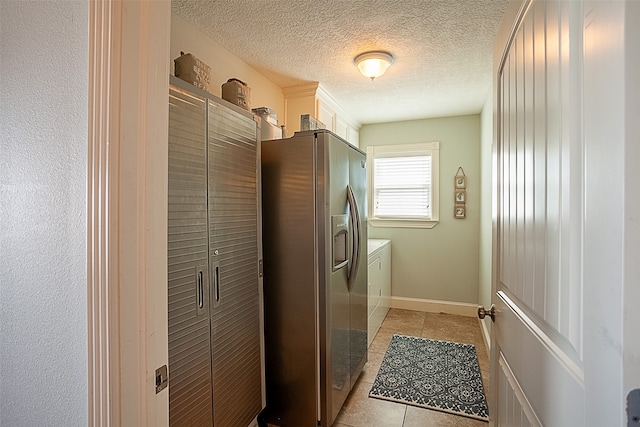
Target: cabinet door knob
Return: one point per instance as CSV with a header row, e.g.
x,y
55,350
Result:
x,y
482,312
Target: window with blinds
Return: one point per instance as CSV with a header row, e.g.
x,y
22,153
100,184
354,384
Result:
x,y
403,185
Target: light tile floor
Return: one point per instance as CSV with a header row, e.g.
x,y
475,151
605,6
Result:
x,y
362,411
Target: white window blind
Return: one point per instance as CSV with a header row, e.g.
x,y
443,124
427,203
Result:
x,y
403,185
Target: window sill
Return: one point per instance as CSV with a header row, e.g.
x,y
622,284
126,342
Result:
x,y
403,223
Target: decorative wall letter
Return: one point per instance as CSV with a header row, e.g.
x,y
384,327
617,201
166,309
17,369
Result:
x,y
460,194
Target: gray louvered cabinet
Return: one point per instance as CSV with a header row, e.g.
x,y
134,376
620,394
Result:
x,y
214,298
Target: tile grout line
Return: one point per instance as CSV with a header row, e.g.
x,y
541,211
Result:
x,y
404,417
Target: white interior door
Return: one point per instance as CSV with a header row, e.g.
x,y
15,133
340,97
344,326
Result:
x,y
559,228
538,377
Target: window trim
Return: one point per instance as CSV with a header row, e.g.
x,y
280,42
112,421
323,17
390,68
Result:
x,y
424,148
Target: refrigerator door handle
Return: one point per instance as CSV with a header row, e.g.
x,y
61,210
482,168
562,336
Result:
x,y
355,231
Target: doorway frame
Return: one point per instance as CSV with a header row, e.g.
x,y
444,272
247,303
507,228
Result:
x,y
126,259
126,211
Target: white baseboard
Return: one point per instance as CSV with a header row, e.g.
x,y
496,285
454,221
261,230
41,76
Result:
x,y
447,307
435,306
486,336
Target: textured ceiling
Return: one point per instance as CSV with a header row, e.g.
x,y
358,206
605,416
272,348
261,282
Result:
x,y
443,49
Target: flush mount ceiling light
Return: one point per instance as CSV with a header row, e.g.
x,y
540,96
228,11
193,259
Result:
x,y
373,64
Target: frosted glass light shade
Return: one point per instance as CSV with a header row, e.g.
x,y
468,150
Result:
x,y
373,64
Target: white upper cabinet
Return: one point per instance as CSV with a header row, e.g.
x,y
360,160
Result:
x,y
311,98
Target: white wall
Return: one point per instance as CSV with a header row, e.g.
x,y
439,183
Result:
x,y
224,65
43,174
439,263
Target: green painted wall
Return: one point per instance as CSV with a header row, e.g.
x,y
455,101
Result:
x,y
441,263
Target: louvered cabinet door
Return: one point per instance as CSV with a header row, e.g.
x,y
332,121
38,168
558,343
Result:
x,y
190,392
233,251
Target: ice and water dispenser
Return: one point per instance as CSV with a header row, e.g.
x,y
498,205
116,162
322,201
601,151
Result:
x,y
340,233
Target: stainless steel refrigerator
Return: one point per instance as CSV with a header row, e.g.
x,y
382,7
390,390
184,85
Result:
x,y
315,275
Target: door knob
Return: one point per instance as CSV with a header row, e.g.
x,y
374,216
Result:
x,y
482,312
